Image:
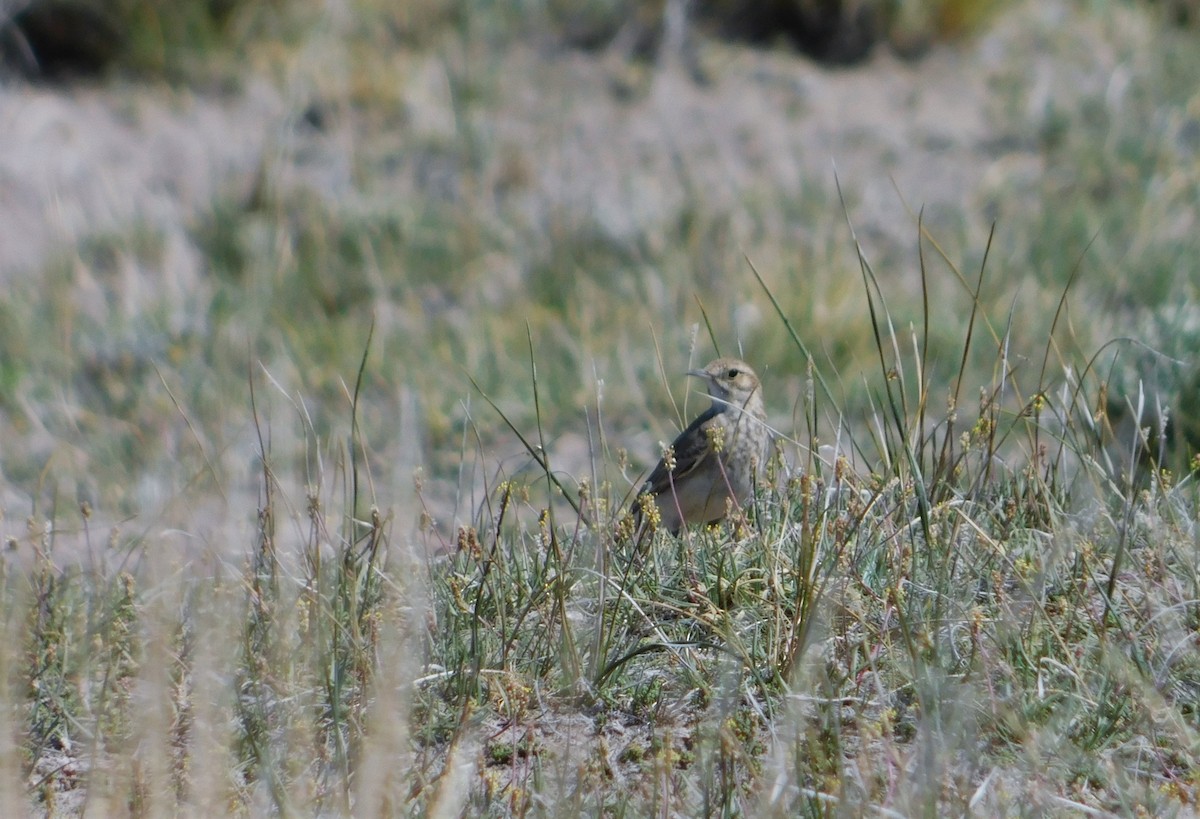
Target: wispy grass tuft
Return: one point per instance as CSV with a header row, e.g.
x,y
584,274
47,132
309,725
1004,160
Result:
x,y
965,584
931,607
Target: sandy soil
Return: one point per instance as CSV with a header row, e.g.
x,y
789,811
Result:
x,y
85,160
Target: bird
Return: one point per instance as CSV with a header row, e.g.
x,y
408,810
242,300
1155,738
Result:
x,y
711,466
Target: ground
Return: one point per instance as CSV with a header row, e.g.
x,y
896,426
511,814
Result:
x,y
494,206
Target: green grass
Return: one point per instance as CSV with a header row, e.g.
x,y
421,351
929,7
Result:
x,y
338,525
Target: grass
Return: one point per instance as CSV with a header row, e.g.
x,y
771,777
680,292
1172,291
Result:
x,y
966,584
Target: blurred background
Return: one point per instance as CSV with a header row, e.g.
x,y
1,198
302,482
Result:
x,y
198,194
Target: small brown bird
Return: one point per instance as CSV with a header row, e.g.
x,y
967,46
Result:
x,y
713,463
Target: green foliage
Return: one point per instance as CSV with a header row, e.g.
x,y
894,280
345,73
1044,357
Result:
x,y
198,39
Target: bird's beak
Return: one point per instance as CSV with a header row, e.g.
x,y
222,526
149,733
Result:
x,y
697,373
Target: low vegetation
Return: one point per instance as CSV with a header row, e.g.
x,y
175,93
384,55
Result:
x,y
335,521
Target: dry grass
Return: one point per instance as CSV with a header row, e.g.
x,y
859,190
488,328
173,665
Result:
x,y
292,487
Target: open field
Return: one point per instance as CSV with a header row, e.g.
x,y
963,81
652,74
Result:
x,y
327,375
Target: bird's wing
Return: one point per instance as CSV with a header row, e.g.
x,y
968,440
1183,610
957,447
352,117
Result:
x,y
691,447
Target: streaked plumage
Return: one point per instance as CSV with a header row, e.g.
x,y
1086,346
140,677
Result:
x,y
716,458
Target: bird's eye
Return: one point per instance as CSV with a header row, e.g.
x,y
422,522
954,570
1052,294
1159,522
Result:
x,y
733,373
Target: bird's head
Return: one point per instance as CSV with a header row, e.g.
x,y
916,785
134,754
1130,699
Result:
x,y
729,380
